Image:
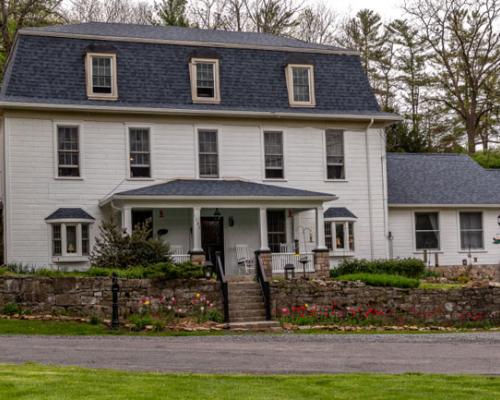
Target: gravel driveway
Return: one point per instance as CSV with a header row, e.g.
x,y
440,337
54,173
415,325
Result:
x,y
477,353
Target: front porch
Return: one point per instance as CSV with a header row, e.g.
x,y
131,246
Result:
x,y
238,220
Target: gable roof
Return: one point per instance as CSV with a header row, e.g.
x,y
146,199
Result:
x,y
338,212
440,179
46,70
221,188
156,33
69,213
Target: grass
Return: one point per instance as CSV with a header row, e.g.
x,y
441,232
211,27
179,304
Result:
x,y
33,381
381,280
440,286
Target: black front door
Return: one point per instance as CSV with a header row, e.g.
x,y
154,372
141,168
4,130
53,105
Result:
x,y
212,237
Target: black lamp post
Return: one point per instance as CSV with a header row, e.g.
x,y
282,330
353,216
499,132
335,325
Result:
x,y
115,288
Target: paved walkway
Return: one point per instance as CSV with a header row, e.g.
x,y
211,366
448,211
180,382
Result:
x,y
264,354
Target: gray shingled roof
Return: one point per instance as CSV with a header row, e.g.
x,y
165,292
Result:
x,y
50,70
338,212
220,188
440,179
180,34
69,213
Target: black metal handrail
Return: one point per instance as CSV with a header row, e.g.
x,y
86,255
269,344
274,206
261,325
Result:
x,y
264,285
223,284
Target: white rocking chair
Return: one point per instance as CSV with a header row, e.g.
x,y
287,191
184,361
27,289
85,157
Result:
x,y
244,258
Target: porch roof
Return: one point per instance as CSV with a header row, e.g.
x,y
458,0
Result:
x,y
220,189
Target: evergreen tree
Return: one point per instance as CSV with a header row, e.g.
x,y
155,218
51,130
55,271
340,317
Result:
x,y
173,12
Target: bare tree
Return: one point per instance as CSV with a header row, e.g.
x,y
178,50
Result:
x,y
317,24
122,11
209,14
465,54
18,14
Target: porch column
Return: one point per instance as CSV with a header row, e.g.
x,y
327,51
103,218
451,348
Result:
x,y
320,229
127,219
264,245
197,230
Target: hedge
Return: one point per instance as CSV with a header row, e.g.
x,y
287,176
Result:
x,y
382,280
409,267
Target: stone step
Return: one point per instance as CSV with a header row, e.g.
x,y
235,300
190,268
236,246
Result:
x,y
255,325
240,278
240,314
245,302
243,285
243,292
239,297
242,308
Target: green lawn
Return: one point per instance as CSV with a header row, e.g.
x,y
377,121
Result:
x,y
36,382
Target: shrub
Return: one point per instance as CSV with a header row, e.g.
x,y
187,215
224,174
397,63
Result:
x,y
215,316
139,322
115,249
409,267
11,309
381,280
95,320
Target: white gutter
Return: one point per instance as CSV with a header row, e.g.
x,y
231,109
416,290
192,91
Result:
x,y
369,187
396,205
197,112
216,198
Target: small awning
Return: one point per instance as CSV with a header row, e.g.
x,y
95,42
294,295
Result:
x,y
338,212
218,189
69,214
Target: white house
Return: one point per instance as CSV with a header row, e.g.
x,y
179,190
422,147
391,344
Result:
x,y
230,141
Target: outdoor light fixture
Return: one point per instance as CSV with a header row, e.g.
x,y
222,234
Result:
x,y
498,220
217,213
231,221
289,272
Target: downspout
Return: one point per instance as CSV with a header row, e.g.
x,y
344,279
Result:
x,y
369,188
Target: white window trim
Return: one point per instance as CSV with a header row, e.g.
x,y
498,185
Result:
x,y
263,152
127,151
325,163
65,256
345,251
114,81
414,226
289,85
78,125
194,80
459,230
197,149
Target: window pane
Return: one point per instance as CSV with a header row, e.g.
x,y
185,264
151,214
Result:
x,y
351,235
339,236
68,151
140,156
101,75
426,221
300,84
427,240
85,240
328,235
471,230
208,157
205,81
56,240
71,239
335,154
273,150
276,229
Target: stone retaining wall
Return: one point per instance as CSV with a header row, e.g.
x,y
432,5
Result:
x,y
473,272
92,296
416,305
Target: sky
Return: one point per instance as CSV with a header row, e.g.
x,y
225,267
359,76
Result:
x,y
388,9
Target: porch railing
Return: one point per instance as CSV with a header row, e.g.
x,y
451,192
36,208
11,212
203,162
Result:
x,y
279,261
223,284
180,258
264,285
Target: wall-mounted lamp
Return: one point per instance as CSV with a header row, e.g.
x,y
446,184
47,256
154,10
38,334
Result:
x,y
217,213
498,220
162,232
230,221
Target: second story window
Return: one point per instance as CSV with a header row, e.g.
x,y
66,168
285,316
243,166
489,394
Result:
x,y
101,76
300,83
335,168
140,153
208,156
273,153
68,152
204,74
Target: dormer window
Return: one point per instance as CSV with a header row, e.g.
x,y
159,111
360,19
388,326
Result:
x,y
300,84
204,75
101,76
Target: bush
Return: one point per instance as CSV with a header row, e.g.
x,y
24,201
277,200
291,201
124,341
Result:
x,y
409,267
163,270
139,322
215,316
11,309
114,249
381,280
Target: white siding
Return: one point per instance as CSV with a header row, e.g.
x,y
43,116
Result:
x,y
402,227
33,192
